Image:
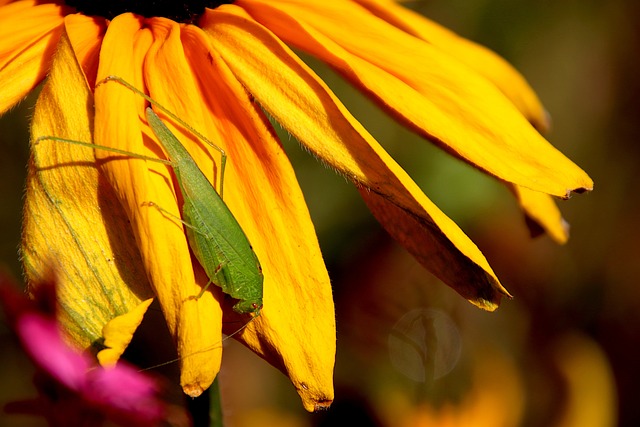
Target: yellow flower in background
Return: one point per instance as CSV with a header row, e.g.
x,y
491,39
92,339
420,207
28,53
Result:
x,y
217,68
497,394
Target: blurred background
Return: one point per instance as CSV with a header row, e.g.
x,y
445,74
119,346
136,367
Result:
x,y
411,352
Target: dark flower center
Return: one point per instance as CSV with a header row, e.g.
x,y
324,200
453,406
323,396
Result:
x,y
179,11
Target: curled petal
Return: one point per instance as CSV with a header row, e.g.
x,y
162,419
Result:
x,y
540,211
439,245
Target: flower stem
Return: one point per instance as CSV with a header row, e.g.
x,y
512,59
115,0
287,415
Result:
x,y
215,408
206,410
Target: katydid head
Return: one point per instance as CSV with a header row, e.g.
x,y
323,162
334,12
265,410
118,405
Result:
x,y
246,306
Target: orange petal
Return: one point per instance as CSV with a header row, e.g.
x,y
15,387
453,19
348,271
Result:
x,y
15,36
428,90
262,192
26,50
303,104
194,324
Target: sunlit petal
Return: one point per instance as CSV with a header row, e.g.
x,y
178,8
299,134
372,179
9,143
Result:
x,y
306,108
26,50
428,90
473,55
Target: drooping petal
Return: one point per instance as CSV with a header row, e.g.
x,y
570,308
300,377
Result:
x,y
504,77
426,89
29,32
303,104
73,221
542,215
194,323
262,192
482,60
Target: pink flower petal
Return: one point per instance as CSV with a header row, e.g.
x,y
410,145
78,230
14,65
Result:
x,y
41,339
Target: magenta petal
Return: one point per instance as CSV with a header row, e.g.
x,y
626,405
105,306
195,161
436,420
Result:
x,y
41,339
125,390
92,393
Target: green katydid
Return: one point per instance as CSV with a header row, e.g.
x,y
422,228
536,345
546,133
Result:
x,y
213,233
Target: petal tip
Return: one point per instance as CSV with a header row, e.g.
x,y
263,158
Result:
x,y
544,123
586,188
315,399
491,302
192,390
317,405
322,406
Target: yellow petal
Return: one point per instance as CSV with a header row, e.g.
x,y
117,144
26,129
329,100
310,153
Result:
x,y
26,50
482,60
542,214
428,90
72,218
262,192
305,107
194,324
118,332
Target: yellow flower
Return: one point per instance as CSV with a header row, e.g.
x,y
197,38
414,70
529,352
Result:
x,y
216,68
